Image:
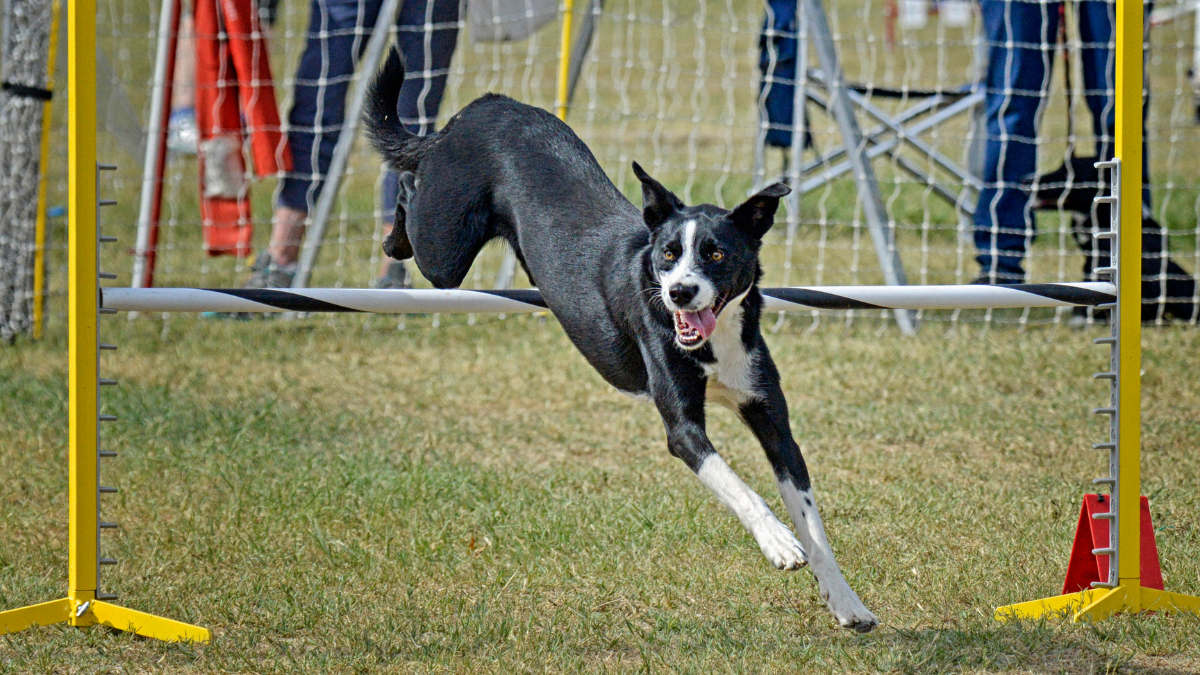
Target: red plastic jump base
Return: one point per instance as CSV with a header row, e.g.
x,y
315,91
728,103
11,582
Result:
x,y
1092,533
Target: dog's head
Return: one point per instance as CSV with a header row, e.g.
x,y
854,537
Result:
x,y
703,256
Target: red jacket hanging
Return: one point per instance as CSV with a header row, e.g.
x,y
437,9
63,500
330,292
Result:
x,y
235,97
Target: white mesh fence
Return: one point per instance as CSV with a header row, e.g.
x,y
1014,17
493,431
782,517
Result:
x,y
24,45
677,86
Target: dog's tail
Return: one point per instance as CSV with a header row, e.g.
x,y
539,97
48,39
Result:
x,y
400,149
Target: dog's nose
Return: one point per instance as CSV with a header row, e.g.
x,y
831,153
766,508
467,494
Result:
x,y
682,294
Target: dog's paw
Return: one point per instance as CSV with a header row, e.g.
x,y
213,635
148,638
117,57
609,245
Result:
x,y
780,546
848,609
397,246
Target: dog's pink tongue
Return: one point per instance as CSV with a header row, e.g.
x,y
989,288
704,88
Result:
x,y
702,322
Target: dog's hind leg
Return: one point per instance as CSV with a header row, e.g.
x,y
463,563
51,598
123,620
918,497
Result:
x,y
397,245
767,416
447,224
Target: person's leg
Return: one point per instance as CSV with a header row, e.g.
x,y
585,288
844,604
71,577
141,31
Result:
x,y
427,32
338,32
1021,38
1097,60
182,134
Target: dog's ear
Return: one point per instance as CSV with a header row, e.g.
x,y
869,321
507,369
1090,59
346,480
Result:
x,y
756,215
658,203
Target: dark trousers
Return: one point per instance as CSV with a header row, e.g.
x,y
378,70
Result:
x,y
337,35
1021,37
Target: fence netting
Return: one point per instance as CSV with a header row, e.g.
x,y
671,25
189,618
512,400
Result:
x,y
981,120
24,50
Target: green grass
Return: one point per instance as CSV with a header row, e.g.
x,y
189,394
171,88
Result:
x,y
337,496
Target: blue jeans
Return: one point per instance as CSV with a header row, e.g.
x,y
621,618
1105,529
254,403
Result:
x,y
1021,37
327,68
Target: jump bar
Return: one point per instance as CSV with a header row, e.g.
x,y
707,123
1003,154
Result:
x,y
429,301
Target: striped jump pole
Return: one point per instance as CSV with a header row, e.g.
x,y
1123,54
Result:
x,y
430,301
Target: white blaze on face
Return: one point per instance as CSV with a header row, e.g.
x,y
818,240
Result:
x,y
686,271
695,320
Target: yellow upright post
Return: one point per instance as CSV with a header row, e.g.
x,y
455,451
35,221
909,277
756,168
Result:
x,y
1128,153
83,304
39,246
81,606
1124,591
564,61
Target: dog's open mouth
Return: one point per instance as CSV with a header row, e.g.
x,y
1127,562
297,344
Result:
x,y
693,328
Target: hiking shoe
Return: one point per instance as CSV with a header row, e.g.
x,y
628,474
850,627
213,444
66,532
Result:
x,y
998,279
183,136
396,276
264,273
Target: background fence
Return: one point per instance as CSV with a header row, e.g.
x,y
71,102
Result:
x,y
675,86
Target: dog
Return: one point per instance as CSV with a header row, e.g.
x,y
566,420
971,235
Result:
x,y
664,302
1168,293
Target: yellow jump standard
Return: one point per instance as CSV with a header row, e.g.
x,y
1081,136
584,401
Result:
x,y
564,61
1123,591
39,237
84,604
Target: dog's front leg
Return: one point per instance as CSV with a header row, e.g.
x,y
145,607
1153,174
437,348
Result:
x,y
680,400
767,417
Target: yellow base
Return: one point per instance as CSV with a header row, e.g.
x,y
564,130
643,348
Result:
x,y
97,612
1101,603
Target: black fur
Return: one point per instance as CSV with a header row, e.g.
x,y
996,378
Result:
x,y
504,169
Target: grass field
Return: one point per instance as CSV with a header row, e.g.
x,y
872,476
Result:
x,y
339,496
333,496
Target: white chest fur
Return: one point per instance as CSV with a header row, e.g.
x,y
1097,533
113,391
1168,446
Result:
x,y
731,378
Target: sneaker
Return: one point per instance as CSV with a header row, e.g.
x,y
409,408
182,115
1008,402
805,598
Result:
x,y
224,174
183,136
264,273
998,279
396,276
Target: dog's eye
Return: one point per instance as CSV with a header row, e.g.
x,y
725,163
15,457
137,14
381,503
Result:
x,y
667,255
716,256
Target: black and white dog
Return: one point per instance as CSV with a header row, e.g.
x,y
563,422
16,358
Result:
x,y
664,303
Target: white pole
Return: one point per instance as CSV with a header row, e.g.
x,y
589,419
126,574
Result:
x,y
167,23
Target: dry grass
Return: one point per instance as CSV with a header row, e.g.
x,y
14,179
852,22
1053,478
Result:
x,y
338,496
